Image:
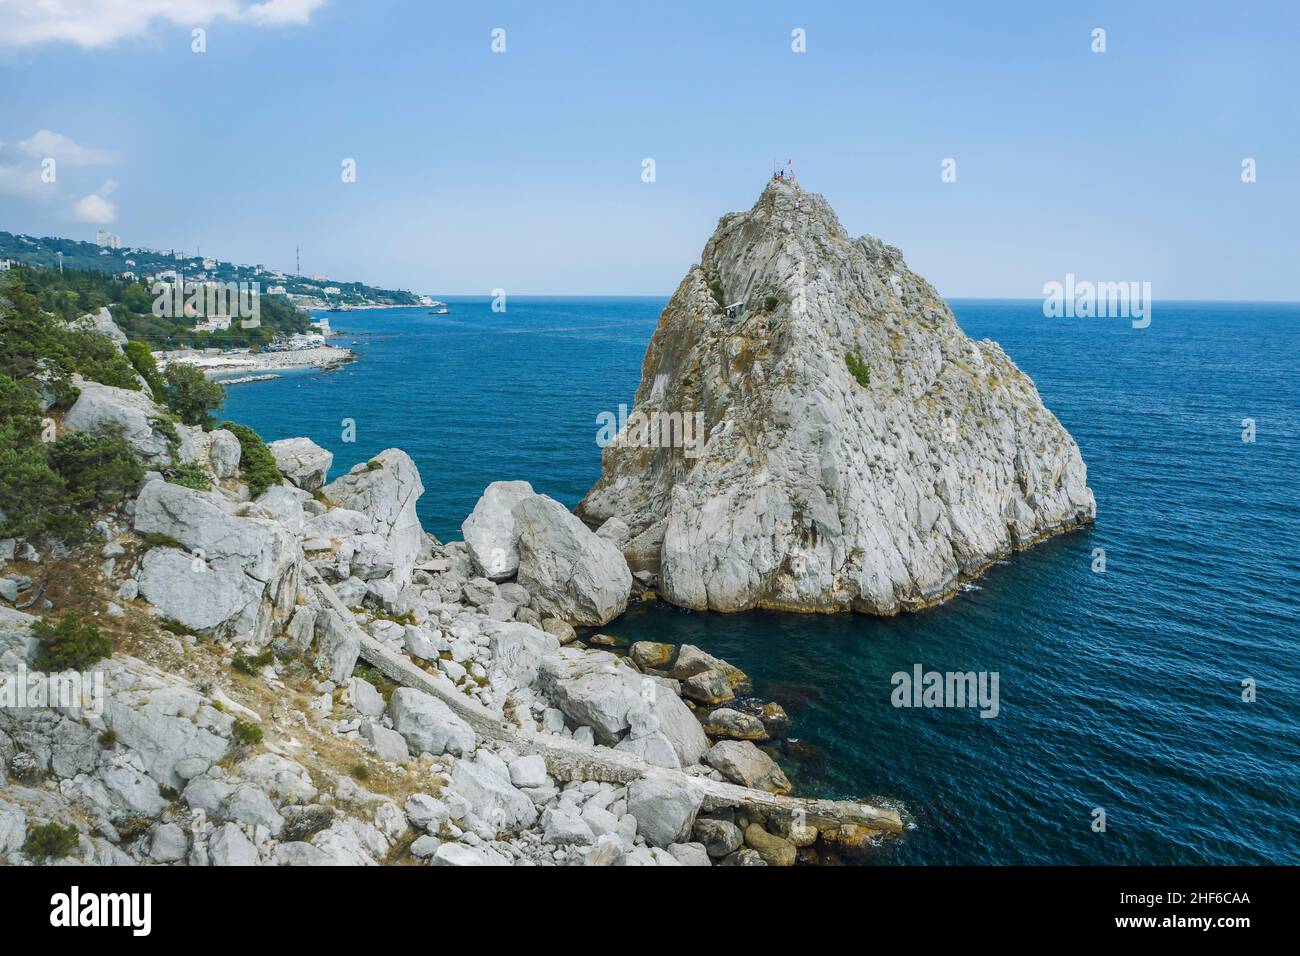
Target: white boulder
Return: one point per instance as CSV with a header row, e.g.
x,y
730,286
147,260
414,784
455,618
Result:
x,y
665,811
427,724
598,690
571,572
302,461
490,529
120,409
385,489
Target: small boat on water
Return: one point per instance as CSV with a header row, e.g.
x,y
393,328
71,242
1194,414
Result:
x,y
439,308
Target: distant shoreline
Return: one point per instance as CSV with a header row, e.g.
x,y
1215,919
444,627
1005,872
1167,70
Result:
x,y
256,364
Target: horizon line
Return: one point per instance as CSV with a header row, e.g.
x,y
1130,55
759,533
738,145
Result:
x,y
653,295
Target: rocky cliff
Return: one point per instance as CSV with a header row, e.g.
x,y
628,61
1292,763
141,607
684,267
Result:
x,y
860,451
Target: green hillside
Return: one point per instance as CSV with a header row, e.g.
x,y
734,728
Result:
x,y
44,252
75,292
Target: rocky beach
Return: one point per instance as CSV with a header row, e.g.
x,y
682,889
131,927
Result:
x,y
256,366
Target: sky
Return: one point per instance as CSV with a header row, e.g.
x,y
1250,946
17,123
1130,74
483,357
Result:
x,y
523,169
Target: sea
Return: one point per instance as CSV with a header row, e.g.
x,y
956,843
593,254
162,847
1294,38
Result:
x,y
1148,668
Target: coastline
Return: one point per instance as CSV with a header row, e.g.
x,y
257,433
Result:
x,y
257,364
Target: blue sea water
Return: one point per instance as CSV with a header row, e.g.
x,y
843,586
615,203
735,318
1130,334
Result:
x,y
1119,691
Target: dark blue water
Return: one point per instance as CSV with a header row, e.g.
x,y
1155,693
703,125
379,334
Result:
x,y
1119,691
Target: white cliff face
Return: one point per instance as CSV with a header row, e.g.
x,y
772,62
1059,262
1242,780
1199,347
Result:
x,y
814,490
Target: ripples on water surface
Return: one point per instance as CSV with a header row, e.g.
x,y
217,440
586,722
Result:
x,y
1118,690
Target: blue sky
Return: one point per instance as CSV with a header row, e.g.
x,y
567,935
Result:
x,y
522,170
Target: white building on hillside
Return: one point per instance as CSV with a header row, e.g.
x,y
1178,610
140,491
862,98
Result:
x,y
212,323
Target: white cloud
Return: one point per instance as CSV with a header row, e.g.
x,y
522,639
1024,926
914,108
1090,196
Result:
x,y
21,180
22,163
48,144
96,207
96,23
19,176
275,12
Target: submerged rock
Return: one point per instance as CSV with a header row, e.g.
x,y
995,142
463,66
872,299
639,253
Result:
x,y
857,451
743,763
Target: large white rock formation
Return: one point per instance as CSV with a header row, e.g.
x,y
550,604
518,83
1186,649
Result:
x,y
302,461
133,414
239,573
815,488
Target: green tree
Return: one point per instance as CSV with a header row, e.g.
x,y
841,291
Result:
x,y
28,486
136,299
98,469
69,644
141,359
256,463
31,493
51,841
191,395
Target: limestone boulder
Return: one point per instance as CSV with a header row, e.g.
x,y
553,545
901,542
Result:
x,y
571,572
224,453
597,690
743,763
517,652
775,850
489,530
302,461
102,322
491,795
261,550
189,591
664,810
386,489
427,724
133,414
